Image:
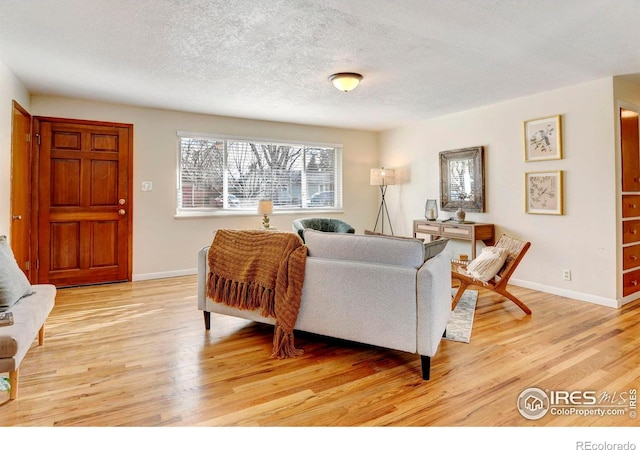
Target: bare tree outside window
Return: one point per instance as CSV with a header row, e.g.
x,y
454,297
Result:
x,y
201,173
321,182
258,171
219,174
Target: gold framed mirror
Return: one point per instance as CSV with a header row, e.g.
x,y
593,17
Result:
x,y
462,179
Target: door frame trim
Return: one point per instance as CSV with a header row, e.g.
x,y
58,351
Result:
x,y
29,207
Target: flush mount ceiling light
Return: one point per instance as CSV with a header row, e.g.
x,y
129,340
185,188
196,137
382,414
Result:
x,y
345,81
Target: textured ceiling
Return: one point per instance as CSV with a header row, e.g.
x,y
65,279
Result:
x,y
271,59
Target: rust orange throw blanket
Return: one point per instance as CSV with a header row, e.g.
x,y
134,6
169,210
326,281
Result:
x,y
260,270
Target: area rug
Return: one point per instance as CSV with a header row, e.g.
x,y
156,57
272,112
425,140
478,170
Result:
x,y
461,320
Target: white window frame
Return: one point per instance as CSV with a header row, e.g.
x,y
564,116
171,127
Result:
x,y
226,210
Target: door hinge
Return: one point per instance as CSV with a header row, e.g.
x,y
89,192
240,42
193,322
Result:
x,y
28,137
37,264
38,138
27,265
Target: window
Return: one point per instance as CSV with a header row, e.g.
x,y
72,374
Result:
x,y
227,174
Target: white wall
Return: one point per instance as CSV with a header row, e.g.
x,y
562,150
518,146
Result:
x,y
164,245
10,89
582,240
626,91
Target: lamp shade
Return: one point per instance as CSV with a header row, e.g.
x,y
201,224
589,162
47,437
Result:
x,y
345,81
265,207
382,177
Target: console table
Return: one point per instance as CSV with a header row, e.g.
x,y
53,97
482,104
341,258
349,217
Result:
x,y
467,231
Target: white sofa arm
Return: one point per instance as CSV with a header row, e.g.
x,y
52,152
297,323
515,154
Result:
x,y
203,270
434,303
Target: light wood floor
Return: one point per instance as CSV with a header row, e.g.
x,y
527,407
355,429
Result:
x,y
137,354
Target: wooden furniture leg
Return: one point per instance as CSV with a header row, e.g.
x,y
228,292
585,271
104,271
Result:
x,y
13,381
426,367
516,251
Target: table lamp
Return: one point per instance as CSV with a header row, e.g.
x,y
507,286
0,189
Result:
x,y
265,207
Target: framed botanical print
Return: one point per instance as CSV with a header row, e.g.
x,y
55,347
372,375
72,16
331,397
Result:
x,y
543,192
543,139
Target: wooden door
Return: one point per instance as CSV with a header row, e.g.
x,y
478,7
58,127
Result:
x,y
21,188
630,150
84,201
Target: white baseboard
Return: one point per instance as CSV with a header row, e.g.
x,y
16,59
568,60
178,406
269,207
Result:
x,y
170,274
610,302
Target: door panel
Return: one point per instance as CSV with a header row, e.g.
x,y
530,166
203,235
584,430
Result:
x,y
65,182
104,183
104,243
84,202
65,235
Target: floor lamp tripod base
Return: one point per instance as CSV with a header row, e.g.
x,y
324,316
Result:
x,y
381,212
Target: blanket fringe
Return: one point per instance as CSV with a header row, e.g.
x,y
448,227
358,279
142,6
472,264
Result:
x,y
241,295
283,345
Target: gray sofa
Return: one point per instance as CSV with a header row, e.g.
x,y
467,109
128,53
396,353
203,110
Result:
x,y
29,314
376,290
29,306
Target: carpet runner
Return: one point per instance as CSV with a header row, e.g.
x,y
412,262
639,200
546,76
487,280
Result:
x,y
461,320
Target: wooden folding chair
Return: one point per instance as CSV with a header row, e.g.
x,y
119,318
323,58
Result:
x,y
517,249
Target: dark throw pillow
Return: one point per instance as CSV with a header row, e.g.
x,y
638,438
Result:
x,y
432,248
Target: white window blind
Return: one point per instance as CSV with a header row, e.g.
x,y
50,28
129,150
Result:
x,y
218,174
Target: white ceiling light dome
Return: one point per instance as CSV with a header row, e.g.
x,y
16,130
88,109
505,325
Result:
x,y
346,81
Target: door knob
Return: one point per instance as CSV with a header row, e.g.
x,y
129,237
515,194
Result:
x,y
122,201
18,217
122,212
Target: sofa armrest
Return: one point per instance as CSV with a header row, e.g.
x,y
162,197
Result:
x,y
434,303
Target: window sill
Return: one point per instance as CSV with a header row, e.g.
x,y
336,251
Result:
x,y
244,213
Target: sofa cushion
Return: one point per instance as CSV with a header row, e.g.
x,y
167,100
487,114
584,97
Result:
x,y
373,249
13,282
8,346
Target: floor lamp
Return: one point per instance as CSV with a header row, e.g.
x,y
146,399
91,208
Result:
x,y
383,178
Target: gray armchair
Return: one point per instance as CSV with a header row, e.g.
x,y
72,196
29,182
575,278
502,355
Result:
x,y
321,224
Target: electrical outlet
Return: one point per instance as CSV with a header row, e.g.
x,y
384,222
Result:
x,y
566,274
